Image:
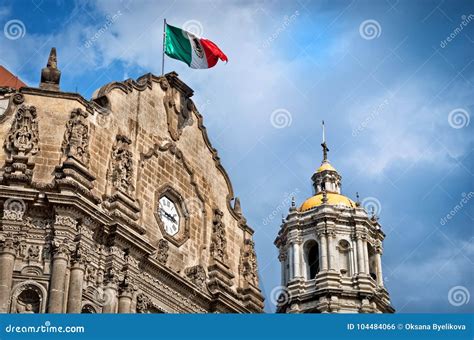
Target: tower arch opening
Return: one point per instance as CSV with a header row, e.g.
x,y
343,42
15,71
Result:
x,y
372,262
312,259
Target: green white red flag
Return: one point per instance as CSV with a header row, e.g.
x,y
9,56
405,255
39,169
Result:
x,y
196,52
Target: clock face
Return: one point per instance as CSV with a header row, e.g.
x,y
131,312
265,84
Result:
x,y
168,215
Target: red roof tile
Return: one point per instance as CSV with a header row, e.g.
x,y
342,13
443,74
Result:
x,y
8,79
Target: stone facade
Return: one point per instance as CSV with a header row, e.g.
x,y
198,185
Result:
x,y
81,227
330,252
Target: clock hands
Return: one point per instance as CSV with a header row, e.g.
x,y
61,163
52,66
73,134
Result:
x,y
168,216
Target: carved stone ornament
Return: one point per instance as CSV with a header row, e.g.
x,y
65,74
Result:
x,y
14,209
76,137
9,243
178,107
282,256
162,253
197,275
218,239
90,274
120,172
142,303
248,263
79,254
34,252
131,262
22,139
18,98
62,249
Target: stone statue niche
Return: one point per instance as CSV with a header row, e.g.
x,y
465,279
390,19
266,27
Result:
x,y
28,302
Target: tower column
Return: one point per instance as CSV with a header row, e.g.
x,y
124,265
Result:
x,y
298,257
324,251
291,267
331,250
58,275
360,255
7,260
110,298
366,255
378,263
284,275
74,302
125,301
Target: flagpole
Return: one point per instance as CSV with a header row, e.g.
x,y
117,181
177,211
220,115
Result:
x,y
164,42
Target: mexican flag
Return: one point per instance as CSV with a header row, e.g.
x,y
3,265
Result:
x,y
194,51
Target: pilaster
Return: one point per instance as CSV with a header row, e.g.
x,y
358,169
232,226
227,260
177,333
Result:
x,y
8,249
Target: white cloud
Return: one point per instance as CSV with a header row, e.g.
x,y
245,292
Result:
x,y
404,127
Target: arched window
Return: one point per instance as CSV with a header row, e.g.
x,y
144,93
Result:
x,y
312,260
344,257
88,309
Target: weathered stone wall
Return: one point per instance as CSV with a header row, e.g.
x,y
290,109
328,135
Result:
x,y
150,135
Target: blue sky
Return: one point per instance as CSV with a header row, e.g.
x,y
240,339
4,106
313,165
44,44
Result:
x,y
397,99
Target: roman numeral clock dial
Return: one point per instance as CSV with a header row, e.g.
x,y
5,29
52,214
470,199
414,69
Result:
x,y
168,215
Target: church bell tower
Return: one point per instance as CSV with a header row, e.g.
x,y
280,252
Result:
x,y
330,251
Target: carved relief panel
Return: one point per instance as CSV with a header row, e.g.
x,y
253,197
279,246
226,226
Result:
x,y
121,169
22,139
76,137
178,107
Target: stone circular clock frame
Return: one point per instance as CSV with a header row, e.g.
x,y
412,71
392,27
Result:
x,y
183,233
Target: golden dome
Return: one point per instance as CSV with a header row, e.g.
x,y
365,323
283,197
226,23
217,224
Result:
x,y
333,199
326,166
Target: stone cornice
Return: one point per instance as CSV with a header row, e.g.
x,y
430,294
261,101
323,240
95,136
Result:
x,y
90,106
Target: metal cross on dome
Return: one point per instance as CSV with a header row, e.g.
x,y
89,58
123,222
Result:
x,y
323,144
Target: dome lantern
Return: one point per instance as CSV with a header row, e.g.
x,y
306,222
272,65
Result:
x,y
326,176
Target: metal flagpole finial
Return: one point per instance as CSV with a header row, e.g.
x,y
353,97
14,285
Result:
x,y
323,144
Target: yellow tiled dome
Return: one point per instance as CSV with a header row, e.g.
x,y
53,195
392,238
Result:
x,y
325,166
333,199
